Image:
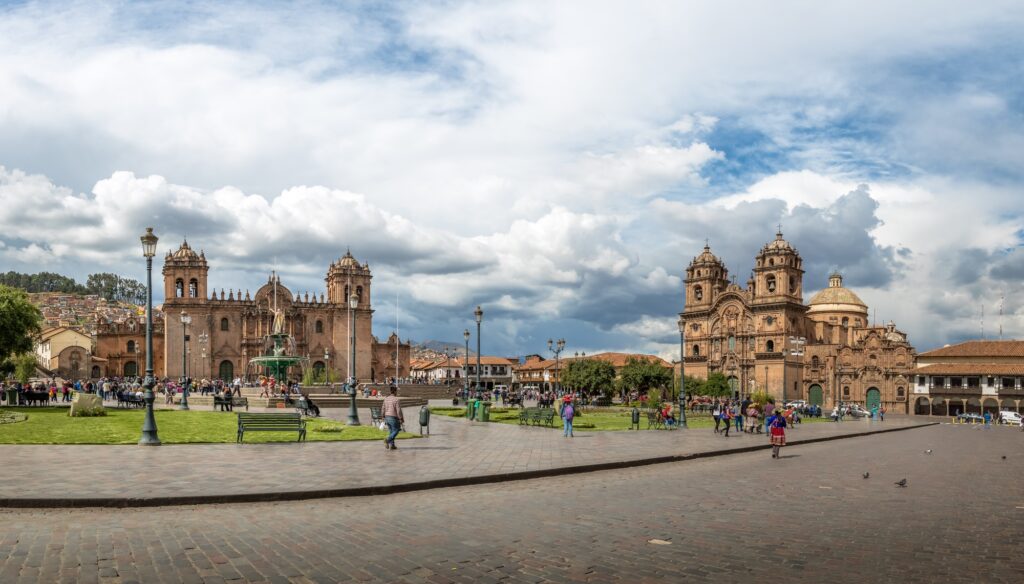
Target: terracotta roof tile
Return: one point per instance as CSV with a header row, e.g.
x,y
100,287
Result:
x,y
1011,369
979,349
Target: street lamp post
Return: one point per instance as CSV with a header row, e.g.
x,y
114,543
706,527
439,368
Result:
x,y
327,367
353,413
149,434
465,367
185,321
556,348
682,373
479,314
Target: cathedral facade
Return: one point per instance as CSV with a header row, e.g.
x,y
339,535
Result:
x,y
763,337
227,329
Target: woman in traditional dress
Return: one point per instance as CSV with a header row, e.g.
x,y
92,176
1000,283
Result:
x,y
777,433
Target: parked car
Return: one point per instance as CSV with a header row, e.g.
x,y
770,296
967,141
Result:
x,y
858,412
798,404
971,418
1008,417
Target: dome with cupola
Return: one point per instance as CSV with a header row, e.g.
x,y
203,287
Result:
x,y
837,300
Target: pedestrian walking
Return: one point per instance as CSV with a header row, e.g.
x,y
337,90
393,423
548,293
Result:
x,y
727,420
777,434
567,414
737,414
717,414
393,417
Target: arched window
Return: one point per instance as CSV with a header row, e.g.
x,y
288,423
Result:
x,y
792,284
131,346
359,293
345,298
769,346
771,283
815,362
698,293
319,327
179,288
193,288
900,392
696,350
846,321
224,324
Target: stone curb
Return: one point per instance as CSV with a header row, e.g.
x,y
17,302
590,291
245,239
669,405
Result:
x,y
126,502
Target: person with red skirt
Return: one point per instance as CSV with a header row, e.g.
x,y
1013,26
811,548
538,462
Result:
x,y
777,433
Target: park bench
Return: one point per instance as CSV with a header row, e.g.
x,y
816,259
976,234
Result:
x,y
40,398
236,402
655,420
271,423
544,416
376,416
129,400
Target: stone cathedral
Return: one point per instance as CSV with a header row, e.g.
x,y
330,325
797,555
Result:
x,y
764,337
228,328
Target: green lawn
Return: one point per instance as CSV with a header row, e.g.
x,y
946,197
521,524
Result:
x,y
604,419
54,426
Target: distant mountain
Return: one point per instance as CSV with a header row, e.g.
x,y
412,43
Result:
x,y
431,348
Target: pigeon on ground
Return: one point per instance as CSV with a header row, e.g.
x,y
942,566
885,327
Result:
x,y
867,474
929,451
902,483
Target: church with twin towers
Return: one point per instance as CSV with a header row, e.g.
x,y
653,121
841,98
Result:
x,y
764,337
228,328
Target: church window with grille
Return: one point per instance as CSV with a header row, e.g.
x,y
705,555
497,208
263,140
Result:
x,y
224,325
319,327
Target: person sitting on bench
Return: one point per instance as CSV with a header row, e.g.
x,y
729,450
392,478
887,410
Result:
x,y
225,404
312,407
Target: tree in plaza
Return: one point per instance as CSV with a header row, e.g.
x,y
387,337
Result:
x,y
643,376
694,386
717,385
24,366
19,322
589,375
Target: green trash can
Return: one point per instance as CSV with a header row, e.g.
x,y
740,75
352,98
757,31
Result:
x,y
470,408
484,413
12,397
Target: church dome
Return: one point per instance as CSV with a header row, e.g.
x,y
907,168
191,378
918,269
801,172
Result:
x,y
348,261
836,298
778,245
706,258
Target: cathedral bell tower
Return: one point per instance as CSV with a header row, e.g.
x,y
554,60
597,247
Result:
x,y
778,273
344,278
185,273
706,278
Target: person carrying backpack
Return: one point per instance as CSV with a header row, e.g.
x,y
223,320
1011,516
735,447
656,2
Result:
x,y
567,415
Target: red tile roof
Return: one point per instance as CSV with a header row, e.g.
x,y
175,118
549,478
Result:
x,y
1010,369
979,349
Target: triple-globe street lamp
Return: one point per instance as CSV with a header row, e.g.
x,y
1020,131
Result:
x,y
465,367
149,434
556,348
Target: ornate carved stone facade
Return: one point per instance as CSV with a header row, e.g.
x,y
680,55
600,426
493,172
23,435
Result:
x,y
764,337
228,328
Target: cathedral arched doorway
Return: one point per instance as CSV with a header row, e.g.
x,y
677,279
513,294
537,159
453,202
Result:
x,y
226,371
95,371
922,407
872,399
734,385
131,369
815,395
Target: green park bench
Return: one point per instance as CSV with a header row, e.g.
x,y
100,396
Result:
x,y
292,422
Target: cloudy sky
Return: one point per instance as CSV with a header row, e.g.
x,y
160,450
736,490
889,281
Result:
x,y
559,163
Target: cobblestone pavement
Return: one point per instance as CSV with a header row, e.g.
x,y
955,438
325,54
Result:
x,y
456,449
808,517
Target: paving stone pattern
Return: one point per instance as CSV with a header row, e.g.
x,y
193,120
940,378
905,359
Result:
x,y
456,448
808,517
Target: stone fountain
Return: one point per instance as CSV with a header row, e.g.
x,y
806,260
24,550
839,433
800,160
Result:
x,y
279,350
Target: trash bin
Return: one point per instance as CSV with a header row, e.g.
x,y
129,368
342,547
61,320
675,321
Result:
x,y
470,408
483,414
424,419
12,396
636,419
